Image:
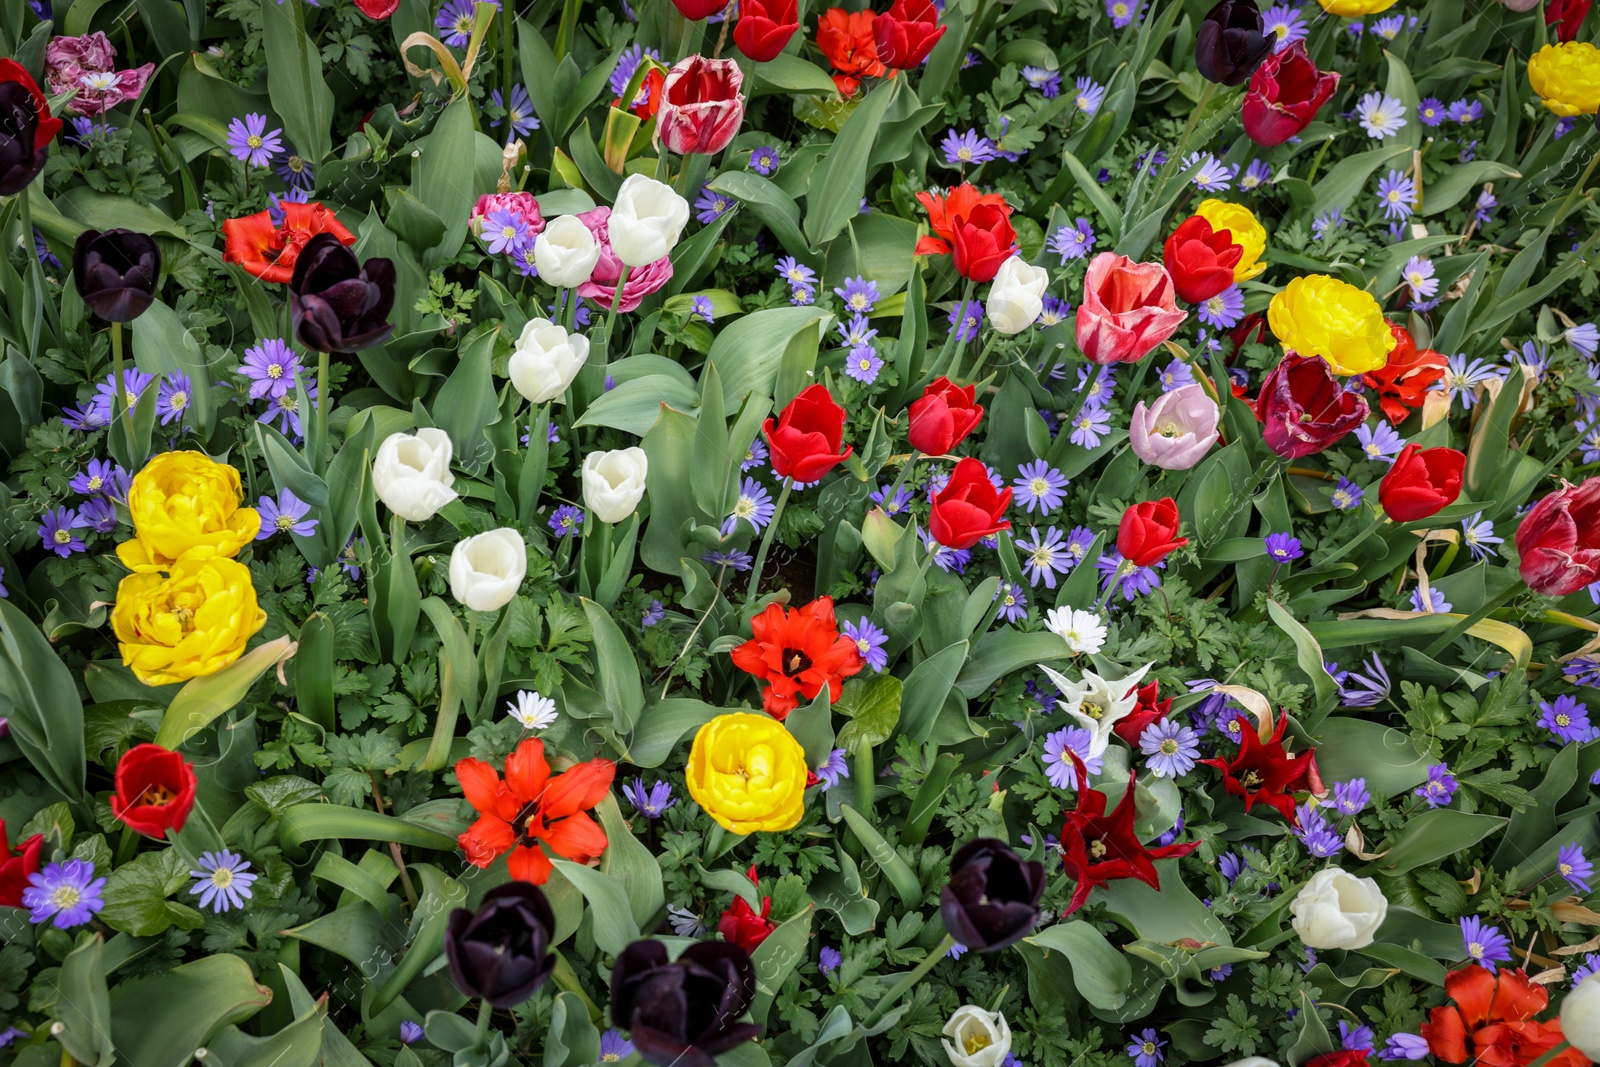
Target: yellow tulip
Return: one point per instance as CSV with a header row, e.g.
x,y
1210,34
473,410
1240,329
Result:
x,y
1321,316
185,505
748,773
188,625
1247,232
1355,8
1567,77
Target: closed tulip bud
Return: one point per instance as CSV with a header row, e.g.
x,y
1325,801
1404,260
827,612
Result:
x,y
765,28
1335,909
565,252
501,952
1559,540
1016,299
546,360
614,482
683,1013
1580,1016
647,220
982,240
992,899
1421,482
943,416
487,570
1201,259
116,272
1128,309
1230,43
701,111
1148,532
976,1038
411,473
1176,431
338,304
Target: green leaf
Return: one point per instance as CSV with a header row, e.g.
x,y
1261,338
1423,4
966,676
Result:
x,y
466,403
1164,915
444,178
201,700
289,469
776,958
614,928
999,652
440,896
323,822
873,707
458,678
1346,178
663,724
629,861
899,872
299,1044
1309,658
1447,190
749,352
313,671
635,405
42,703
1099,971
136,895
571,1040
164,1017
299,94
1360,748
812,726
927,686
834,196
1434,835
163,346
786,73
774,207
616,669
83,1008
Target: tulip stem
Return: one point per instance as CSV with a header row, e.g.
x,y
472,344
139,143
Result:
x,y
902,987
35,268
866,781
955,330
394,846
319,417
127,846
1345,549
766,539
119,391
616,302
480,1037
1176,159
1552,1054
1572,194
900,480
983,356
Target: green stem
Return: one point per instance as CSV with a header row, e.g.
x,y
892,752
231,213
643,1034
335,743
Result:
x,y
119,390
950,338
25,209
616,302
866,781
1176,159
983,355
766,539
480,1037
902,987
905,473
1344,550
1572,194
1552,1054
127,846
319,417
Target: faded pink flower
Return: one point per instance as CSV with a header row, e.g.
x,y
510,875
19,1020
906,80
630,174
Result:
x,y
1177,430
85,64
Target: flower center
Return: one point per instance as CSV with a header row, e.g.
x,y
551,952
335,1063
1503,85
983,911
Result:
x,y
63,536
1251,780
254,140
157,795
285,522
65,897
275,370
1169,747
795,662
1093,710
179,400
222,877
1097,849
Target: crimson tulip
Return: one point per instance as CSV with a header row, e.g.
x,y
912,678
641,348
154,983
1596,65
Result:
x,y
906,33
969,507
1148,532
1285,93
1150,709
765,27
15,867
154,790
983,239
701,108
26,128
806,438
1097,849
1263,772
1559,540
378,9
742,925
1566,16
1128,309
1421,482
1200,259
1304,409
943,417
695,10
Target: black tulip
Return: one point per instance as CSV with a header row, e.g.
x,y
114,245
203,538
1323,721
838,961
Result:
x,y
26,128
993,897
1231,43
683,1014
501,952
116,272
340,305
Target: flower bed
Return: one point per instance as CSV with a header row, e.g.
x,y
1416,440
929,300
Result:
x,y
1039,533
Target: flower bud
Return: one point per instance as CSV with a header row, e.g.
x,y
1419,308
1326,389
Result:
x,y
411,473
1016,299
646,221
1335,909
613,482
501,952
487,570
546,360
565,252
992,899
980,1038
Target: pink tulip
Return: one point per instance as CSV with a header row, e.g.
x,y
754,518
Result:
x,y
1177,430
1128,309
602,284
701,109
85,64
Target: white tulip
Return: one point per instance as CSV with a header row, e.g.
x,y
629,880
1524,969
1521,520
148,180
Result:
x,y
1097,703
411,473
1338,910
613,482
546,360
486,570
1580,1016
646,221
1016,299
565,252
982,1038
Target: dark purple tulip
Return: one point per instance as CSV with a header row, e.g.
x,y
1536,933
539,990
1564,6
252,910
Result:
x,y
992,899
1230,43
502,951
340,305
26,128
683,1014
116,272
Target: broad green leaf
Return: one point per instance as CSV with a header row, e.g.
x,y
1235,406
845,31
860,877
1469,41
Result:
x,y
201,700
444,177
776,958
299,94
42,703
165,1016
1433,835
467,404
1309,658
299,1044
163,346
873,707
83,1009
630,862
571,1040
634,406
834,196
749,352
425,938
893,865
1345,180
1099,971
614,928
927,686
615,669
458,678
322,822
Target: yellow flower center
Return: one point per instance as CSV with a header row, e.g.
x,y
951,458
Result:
x,y
976,1041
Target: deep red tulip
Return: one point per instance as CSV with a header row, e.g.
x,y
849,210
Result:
x,y
1285,93
16,866
765,27
983,239
1149,532
695,10
1200,259
1421,482
1566,16
378,9
969,507
1097,849
155,790
1263,772
906,33
807,436
741,924
1343,1058
1150,709
701,108
943,416
1304,409
1559,540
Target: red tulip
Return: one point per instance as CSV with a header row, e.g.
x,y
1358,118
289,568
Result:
x,y
1559,540
1567,16
16,866
378,9
26,128
695,10
1284,96
701,109
983,239
1097,849
1304,408
969,507
1200,259
906,33
155,790
1150,709
806,438
1149,532
943,416
1128,309
1421,482
1263,772
765,27
1342,1058
741,924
